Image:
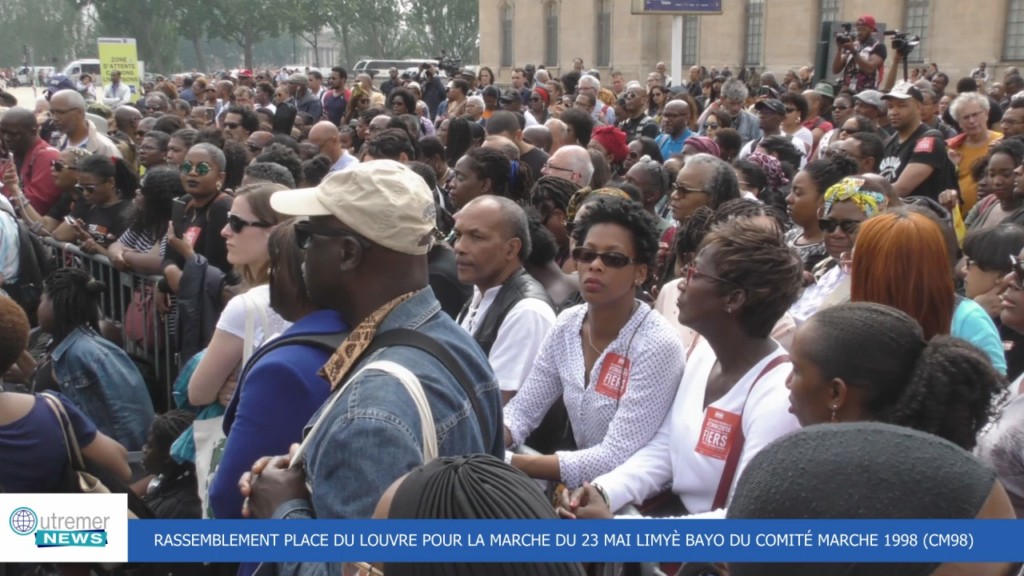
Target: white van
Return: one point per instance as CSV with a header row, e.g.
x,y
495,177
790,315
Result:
x,y
26,75
90,65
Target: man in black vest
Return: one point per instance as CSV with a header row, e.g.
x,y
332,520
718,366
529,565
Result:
x,y
510,312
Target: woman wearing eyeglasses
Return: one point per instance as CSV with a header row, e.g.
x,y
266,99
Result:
x,y
107,186
614,361
732,400
846,206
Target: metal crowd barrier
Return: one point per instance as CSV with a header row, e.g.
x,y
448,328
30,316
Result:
x,y
154,352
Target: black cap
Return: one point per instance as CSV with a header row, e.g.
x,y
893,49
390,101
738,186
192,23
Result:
x,y
771,105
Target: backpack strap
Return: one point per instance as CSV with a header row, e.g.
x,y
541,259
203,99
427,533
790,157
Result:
x,y
328,342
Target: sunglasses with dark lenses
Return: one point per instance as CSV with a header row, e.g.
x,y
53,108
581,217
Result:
x,y
585,255
712,126
848,130
59,166
849,227
90,188
202,168
304,232
231,125
237,224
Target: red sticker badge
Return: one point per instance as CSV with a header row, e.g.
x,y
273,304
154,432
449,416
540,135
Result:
x,y
718,433
614,376
925,145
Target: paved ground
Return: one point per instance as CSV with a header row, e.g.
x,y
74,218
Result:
x,y
25,97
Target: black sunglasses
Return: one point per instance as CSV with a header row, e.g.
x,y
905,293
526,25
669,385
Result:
x,y
237,224
231,125
304,232
849,227
59,166
585,255
1018,269
90,188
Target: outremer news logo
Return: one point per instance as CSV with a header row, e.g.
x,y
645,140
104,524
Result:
x,y
64,527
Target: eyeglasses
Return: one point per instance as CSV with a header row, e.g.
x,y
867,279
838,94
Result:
x,y
549,166
849,227
202,168
692,272
631,95
237,224
683,190
90,188
848,131
59,166
231,125
304,232
712,126
585,255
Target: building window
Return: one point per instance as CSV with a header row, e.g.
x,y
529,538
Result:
x,y
507,30
551,34
917,23
691,28
755,32
830,10
1013,41
604,33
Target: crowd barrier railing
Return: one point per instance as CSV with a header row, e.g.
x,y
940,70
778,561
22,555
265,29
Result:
x,y
128,305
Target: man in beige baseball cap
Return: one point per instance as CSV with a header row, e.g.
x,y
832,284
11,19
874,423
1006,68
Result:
x,y
365,237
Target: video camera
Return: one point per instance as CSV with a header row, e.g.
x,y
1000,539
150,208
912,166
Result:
x,y
903,42
451,65
846,35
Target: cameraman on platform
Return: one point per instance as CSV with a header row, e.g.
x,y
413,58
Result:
x,y
860,59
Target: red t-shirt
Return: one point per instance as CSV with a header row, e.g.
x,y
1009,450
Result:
x,y
36,179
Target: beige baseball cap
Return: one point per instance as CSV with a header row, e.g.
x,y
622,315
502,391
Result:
x,y
381,200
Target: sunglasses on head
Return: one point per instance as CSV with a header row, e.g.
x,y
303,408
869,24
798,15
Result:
x,y
202,168
849,227
237,224
585,255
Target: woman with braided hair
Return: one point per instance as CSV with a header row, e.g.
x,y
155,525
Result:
x,y
91,371
487,171
550,197
172,492
465,488
944,386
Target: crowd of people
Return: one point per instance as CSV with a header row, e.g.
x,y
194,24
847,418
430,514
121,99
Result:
x,y
435,297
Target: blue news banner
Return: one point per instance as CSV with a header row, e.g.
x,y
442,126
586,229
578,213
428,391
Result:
x,y
580,540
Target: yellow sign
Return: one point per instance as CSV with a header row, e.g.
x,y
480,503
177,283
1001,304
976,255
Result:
x,y
120,54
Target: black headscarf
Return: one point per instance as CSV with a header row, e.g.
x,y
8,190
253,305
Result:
x,y
861,470
478,487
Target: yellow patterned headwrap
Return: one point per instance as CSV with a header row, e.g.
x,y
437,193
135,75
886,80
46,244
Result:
x,y
849,190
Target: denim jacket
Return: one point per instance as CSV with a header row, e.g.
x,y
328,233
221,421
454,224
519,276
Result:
x,y
372,434
103,381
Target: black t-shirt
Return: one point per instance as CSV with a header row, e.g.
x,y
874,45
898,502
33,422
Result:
x,y
854,77
643,126
62,207
444,280
918,149
104,223
201,226
535,159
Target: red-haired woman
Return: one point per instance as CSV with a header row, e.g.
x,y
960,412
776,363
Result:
x,y
902,259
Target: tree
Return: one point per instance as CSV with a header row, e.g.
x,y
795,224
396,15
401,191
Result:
x,y
151,22
51,29
451,25
378,27
193,25
308,19
246,22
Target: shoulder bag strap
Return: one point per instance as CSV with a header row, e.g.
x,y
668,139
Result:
x,y
70,440
732,461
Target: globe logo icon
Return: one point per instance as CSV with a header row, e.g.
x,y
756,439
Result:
x,y
23,521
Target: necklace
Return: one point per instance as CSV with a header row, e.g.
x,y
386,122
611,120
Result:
x,y
590,340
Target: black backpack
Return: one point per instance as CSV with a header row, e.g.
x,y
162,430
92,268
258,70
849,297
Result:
x,y
34,265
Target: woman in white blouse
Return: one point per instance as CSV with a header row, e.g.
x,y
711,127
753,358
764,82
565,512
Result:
x,y
615,362
733,399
